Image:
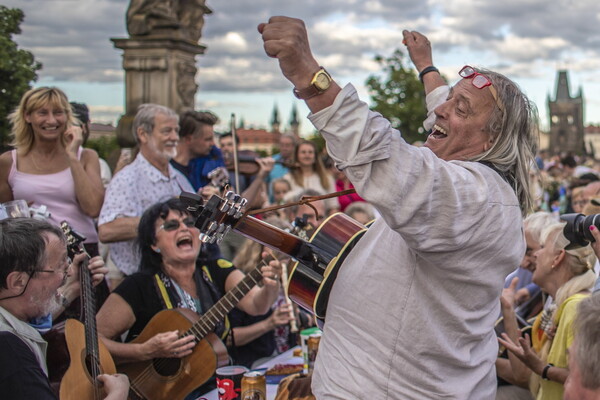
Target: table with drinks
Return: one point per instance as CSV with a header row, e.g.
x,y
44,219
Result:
x,y
283,358
245,381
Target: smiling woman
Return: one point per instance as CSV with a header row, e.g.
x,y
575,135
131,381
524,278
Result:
x,y
50,167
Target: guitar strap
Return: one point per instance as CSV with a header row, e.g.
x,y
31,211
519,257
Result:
x,y
172,296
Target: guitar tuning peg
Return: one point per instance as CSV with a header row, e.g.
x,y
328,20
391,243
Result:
x,y
225,206
232,210
239,214
212,227
230,195
227,230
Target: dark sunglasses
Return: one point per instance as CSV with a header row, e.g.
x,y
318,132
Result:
x,y
173,224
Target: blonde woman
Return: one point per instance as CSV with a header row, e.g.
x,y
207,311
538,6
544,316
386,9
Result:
x,y
48,165
567,276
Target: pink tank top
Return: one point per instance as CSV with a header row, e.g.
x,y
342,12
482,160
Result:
x,y
55,191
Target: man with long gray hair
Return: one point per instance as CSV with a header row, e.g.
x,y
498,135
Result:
x,y
412,310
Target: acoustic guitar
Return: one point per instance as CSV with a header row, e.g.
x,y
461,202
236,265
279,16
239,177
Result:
x,y
87,357
174,378
317,260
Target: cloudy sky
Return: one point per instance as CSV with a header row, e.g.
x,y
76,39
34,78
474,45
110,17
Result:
x,y
528,40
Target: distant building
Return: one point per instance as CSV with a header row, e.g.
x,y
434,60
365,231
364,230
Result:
x,y
100,130
264,141
566,119
258,140
592,140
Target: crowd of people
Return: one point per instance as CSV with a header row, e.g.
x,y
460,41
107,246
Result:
x,y
462,231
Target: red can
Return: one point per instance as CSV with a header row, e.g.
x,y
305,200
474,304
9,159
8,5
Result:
x,y
254,386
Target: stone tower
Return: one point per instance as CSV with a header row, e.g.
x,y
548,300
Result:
x,y
275,123
566,118
294,123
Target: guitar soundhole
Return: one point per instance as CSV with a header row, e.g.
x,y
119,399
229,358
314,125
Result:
x,y
166,366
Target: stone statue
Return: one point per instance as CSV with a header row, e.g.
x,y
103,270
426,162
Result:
x,y
146,17
186,83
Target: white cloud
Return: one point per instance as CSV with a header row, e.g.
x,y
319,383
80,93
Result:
x,y
527,39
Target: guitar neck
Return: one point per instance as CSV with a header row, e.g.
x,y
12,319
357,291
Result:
x,y
276,239
221,308
88,305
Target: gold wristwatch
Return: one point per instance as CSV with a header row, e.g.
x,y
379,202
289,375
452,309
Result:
x,y
320,82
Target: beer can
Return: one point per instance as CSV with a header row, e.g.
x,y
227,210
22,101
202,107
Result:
x,y
312,348
254,386
304,335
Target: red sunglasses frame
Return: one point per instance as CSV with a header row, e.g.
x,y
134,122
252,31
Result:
x,y
468,72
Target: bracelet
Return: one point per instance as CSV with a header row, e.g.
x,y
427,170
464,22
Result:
x,y
427,70
545,371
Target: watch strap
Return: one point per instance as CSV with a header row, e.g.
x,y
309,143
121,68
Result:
x,y
311,90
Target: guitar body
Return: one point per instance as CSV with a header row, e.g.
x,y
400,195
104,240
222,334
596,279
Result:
x,y
77,383
174,378
309,284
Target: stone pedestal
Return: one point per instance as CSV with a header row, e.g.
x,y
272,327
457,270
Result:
x,y
159,70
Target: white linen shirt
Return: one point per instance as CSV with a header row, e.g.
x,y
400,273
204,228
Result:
x,y
412,311
131,191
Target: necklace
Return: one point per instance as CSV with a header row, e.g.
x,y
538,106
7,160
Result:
x,y
35,164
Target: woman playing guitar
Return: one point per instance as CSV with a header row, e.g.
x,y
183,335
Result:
x,y
163,362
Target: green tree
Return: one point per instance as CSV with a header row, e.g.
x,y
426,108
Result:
x,y
104,146
18,68
399,96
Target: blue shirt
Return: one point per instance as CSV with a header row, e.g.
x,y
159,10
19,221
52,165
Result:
x,y
525,280
278,171
201,166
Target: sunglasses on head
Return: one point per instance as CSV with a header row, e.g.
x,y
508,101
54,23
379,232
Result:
x,y
173,224
480,81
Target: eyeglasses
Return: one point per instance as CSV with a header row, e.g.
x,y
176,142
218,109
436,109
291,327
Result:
x,y
63,268
173,224
480,81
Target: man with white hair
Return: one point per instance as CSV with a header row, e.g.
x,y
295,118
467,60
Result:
x,y
148,179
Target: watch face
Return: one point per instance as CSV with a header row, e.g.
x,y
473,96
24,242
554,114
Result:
x,y
322,81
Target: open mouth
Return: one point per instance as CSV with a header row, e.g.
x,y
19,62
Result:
x,y
184,242
437,132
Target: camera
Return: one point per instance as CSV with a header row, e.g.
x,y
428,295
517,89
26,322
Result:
x,y
577,230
